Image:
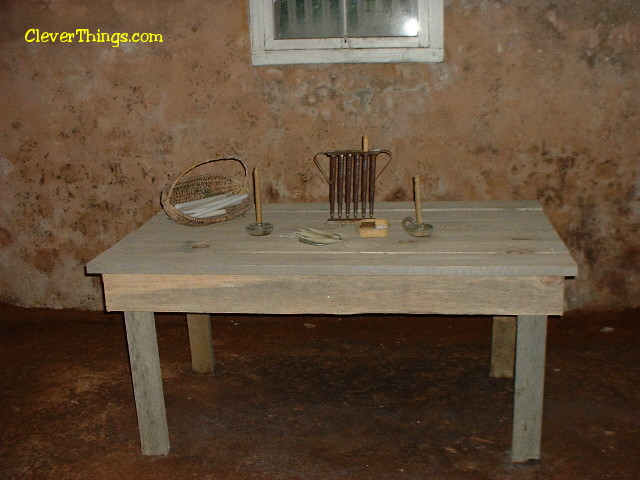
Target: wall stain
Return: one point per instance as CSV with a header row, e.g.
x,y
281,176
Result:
x,y
272,193
46,259
5,237
398,194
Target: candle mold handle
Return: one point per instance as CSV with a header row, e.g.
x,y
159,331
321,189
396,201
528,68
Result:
x,y
337,153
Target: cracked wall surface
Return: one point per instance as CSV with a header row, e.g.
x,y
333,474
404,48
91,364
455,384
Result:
x,y
534,100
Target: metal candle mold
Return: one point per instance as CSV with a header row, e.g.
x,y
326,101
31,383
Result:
x,y
352,180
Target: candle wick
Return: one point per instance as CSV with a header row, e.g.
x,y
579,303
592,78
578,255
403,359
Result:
x,y
256,193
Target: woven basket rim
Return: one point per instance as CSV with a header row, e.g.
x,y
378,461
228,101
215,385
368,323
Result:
x,y
167,196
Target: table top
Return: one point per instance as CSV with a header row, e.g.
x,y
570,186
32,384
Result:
x,y
470,238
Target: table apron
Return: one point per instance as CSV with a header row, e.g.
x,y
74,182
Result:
x,y
340,295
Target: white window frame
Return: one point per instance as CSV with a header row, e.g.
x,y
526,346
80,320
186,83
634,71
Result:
x,y
426,47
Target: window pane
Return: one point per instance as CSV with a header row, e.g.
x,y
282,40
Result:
x,y
382,18
308,19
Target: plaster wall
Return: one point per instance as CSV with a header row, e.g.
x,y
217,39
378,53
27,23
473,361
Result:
x,y
535,99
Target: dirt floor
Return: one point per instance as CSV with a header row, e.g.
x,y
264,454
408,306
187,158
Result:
x,y
366,397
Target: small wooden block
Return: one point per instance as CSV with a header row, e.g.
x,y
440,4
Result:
x,y
373,227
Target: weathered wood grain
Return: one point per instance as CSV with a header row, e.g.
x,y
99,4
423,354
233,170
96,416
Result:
x,y
306,294
201,342
147,382
486,241
528,387
503,345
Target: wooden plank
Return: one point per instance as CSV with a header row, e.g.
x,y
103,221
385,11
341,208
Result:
x,y
147,382
446,239
201,342
494,240
164,232
336,262
287,294
534,235
503,344
160,227
529,387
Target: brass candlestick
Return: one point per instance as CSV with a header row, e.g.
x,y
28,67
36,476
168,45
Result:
x,y
417,228
259,228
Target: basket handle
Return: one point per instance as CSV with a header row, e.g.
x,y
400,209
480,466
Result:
x,y
196,165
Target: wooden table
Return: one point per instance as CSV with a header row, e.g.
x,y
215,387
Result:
x,y
502,259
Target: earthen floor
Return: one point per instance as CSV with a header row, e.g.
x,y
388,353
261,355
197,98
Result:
x,y
366,397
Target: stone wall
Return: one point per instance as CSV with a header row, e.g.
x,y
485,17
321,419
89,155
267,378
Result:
x,y
534,100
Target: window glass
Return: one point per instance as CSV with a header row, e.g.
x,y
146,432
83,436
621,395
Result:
x,y
308,19
325,18
382,18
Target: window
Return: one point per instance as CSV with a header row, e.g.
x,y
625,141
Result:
x,y
346,31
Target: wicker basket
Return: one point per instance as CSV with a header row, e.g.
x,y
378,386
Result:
x,y
202,186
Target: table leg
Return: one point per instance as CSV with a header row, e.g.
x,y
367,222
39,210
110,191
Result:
x,y
201,343
147,382
531,338
503,347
